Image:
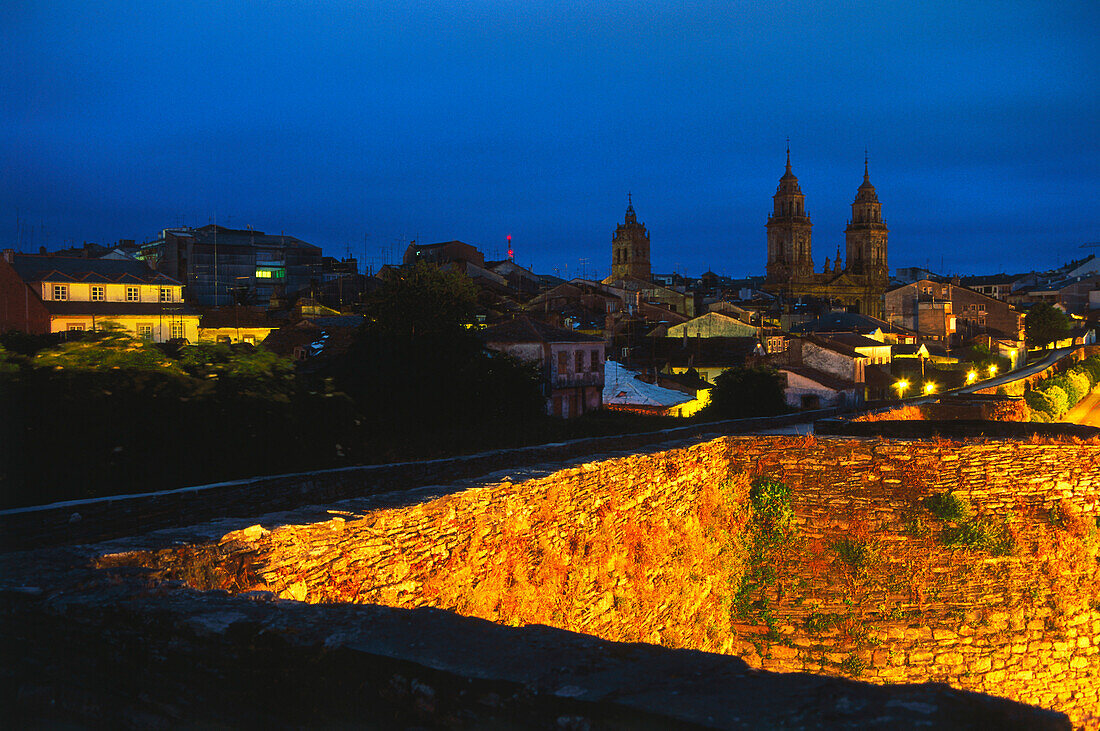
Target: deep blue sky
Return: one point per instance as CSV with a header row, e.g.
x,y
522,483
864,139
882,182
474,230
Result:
x,y
473,120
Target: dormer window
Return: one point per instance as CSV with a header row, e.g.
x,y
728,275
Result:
x,y
61,291
97,293
165,294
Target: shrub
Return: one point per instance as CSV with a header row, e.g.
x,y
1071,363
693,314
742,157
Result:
x,y
1059,398
1079,383
1092,366
853,666
948,506
980,534
772,513
854,552
1040,402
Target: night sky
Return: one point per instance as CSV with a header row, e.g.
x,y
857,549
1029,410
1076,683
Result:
x,y
369,124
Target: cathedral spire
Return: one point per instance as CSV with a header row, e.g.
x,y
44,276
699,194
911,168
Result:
x,y
630,215
866,174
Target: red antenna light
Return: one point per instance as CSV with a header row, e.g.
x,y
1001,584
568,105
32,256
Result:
x,y
511,254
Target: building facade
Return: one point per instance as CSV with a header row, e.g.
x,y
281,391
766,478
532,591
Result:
x,y
220,266
572,363
857,284
77,294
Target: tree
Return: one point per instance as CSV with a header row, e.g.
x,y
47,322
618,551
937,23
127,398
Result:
x,y
421,300
1044,324
743,392
416,365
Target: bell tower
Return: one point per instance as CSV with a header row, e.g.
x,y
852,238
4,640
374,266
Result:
x,y
630,247
789,227
866,233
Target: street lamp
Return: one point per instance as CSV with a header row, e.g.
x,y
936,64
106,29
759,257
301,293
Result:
x,y
971,376
929,388
901,386
992,370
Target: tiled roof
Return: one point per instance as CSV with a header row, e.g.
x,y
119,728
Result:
x,y
848,321
853,340
526,330
45,268
825,379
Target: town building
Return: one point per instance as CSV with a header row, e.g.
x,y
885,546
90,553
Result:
x,y
49,294
572,363
951,313
859,283
712,325
219,266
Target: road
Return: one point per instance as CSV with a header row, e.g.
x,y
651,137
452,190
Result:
x,y
1087,411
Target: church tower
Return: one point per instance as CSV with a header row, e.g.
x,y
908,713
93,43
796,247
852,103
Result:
x,y
788,233
866,234
866,243
630,247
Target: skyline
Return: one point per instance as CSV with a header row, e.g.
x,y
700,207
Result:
x,y
332,121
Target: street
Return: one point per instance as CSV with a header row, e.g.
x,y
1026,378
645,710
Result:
x,y
1086,412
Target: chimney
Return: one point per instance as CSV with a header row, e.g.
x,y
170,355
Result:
x,y
9,255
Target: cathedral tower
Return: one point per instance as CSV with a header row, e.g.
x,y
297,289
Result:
x,y
788,232
630,247
866,243
866,234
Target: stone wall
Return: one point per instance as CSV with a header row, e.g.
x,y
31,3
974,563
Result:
x,y
653,548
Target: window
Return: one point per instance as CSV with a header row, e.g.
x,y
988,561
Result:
x,y
76,327
145,330
165,295
133,294
250,339
595,359
579,361
563,362
97,293
177,329
61,292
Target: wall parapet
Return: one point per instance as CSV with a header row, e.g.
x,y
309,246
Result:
x,y
100,519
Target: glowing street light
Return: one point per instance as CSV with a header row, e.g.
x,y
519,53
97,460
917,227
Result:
x,y
929,388
992,370
901,386
971,376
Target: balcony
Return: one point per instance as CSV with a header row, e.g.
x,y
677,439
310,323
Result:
x,y
574,380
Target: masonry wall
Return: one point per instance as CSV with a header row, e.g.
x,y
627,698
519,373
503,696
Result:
x,y
651,548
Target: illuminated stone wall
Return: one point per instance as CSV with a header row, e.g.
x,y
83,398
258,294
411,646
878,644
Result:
x,y
651,547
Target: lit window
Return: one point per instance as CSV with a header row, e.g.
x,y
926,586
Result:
x,y
263,274
61,292
133,294
145,330
165,294
97,293
250,339
76,327
177,330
